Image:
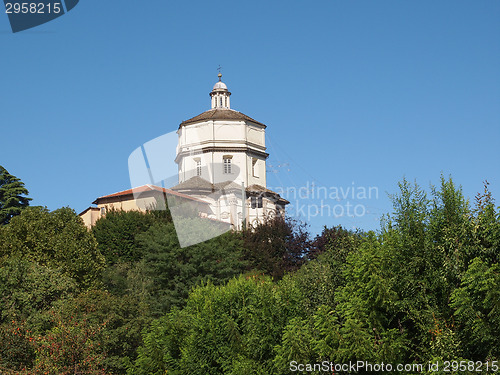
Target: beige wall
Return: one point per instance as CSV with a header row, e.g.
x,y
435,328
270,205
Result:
x,y
90,216
128,203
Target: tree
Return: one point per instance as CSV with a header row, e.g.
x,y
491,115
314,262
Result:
x,y
12,196
391,301
368,306
425,288
56,239
174,271
28,293
70,347
276,246
477,305
16,349
120,320
319,279
29,289
486,227
229,329
115,233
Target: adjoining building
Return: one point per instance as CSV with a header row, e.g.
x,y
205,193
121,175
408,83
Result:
x,y
147,197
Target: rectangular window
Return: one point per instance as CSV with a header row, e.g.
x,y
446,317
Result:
x,y
198,167
254,167
256,202
227,165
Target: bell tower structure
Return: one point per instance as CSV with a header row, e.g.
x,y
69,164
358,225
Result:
x,y
220,95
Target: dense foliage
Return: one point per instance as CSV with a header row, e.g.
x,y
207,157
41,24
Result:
x,y
54,239
277,246
13,196
426,288
126,298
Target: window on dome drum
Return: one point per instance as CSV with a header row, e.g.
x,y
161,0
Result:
x,y
221,102
227,165
198,167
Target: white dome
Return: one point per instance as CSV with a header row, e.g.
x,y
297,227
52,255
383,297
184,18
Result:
x,y
220,85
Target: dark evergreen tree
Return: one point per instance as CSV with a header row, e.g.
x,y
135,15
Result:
x,y
12,196
168,272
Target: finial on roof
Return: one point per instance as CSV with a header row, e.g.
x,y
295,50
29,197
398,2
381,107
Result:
x,y
220,76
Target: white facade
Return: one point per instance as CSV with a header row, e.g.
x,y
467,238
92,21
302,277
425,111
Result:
x,y
211,143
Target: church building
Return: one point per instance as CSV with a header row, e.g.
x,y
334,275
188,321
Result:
x,y
221,158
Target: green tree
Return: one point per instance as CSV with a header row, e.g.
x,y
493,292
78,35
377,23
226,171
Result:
x,y
56,239
486,228
277,246
120,318
319,279
16,348
425,288
70,347
429,241
230,329
451,234
356,319
28,293
394,288
173,271
477,305
12,196
29,289
115,233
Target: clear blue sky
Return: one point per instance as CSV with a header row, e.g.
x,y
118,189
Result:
x,y
351,91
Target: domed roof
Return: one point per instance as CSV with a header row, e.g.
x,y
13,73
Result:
x,y
220,86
